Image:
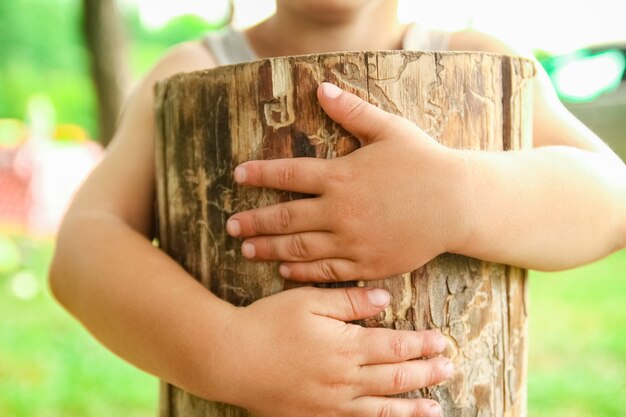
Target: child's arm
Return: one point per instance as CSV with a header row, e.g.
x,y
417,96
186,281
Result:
x,y
402,199
289,354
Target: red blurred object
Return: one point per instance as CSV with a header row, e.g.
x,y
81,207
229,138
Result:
x,y
38,180
15,196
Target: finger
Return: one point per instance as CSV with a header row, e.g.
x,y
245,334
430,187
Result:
x,y
295,247
283,218
395,407
398,378
303,175
349,304
322,270
393,346
364,120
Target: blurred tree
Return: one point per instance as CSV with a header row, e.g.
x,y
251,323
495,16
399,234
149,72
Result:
x,y
107,45
43,49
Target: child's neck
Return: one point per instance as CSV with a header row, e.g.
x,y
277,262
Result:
x,y
290,34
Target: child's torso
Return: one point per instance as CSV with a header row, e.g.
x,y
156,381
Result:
x,y
230,46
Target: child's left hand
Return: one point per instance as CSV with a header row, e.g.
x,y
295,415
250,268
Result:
x,y
385,209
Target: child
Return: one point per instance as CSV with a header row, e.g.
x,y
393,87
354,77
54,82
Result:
x,y
560,205
148,310
557,206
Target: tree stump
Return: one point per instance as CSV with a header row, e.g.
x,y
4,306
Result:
x,y
210,121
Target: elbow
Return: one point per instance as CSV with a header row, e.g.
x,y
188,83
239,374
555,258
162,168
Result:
x,y
54,284
71,272
621,242
57,278
621,210
63,279
615,178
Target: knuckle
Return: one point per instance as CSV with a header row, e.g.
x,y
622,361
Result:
x,y
338,383
284,218
417,411
328,271
351,303
298,247
338,387
432,375
342,175
400,379
309,292
364,270
399,347
349,349
258,223
285,175
357,106
385,411
271,249
419,343
351,273
309,295
423,407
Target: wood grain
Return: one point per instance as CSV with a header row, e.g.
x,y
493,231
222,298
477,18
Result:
x,y
210,121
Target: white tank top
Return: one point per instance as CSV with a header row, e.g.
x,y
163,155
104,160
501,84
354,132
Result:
x,y
230,46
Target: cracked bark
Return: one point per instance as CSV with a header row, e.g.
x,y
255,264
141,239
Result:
x,y
210,121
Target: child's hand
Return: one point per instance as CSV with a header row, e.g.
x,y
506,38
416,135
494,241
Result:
x,y
387,208
292,354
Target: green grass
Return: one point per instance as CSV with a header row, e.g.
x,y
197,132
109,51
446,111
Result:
x,y
51,367
577,364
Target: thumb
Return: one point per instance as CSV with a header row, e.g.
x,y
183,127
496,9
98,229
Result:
x,y
348,304
364,120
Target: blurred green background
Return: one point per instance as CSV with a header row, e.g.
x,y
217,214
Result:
x,y
50,366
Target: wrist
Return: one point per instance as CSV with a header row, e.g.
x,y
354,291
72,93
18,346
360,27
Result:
x,y
492,188
203,370
464,201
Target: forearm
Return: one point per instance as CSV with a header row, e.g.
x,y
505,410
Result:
x,y
548,208
137,301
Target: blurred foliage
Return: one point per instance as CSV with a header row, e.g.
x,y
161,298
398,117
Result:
x,y
50,366
148,45
577,359
43,52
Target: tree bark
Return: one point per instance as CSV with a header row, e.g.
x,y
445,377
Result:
x,y
107,46
209,122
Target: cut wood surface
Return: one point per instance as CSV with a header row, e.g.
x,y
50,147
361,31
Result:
x,y
208,122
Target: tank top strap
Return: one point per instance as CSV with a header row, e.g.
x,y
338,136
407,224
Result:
x,y
229,46
422,38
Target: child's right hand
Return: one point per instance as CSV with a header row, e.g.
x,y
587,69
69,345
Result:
x,y
293,354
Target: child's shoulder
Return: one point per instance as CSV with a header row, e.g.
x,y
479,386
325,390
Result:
x,y
474,40
184,57
138,109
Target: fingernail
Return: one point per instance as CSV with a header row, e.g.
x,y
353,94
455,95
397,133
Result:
x,y
448,370
378,297
239,174
434,410
248,250
330,90
284,271
440,343
233,227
